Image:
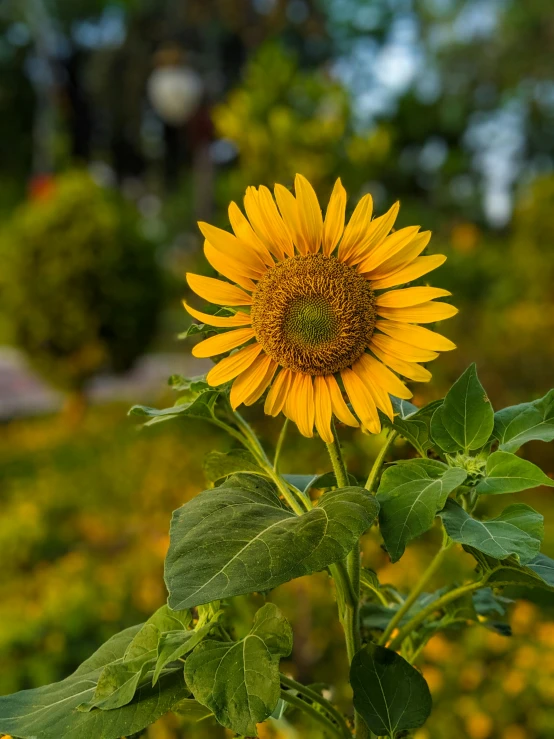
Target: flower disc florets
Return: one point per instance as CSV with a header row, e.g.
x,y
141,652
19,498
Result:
x,y
313,314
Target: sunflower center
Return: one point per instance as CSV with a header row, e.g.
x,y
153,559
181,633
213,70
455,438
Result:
x,y
313,314
310,321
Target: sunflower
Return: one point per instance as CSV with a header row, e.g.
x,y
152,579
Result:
x,y
312,314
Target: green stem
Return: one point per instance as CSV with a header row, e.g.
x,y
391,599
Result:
x,y
416,590
347,582
337,460
298,507
366,583
250,435
436,605
371,483
248,439
280,442
232,432
320,700
321,718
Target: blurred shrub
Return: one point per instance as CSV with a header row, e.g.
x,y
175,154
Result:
x,y
285,120
80,286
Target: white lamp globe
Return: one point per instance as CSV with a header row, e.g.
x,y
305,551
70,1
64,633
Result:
x,y
175,92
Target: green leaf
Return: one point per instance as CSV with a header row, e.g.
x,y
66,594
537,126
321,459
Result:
x,y
543,567
218,464
506,473
51,712
174,645
146,640
118,683
518,531
440,435
525,422
239,681
195,385
240,538
193,330
411,494
110,651
487,603
320,482
414,424
403,408
301,482
200,407
191,710
538,573
467,413
390,694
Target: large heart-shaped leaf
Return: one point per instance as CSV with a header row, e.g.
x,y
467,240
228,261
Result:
x,y
52,711
518,424
239,681
507,473
240,538
518,531
389,694
410,495
466,413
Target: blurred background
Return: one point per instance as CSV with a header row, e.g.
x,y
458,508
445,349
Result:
x,y
121,124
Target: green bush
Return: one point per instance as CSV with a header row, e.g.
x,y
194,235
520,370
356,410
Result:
x,y
80,286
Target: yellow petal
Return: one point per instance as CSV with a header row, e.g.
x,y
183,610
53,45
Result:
x,y
385,378
249,382
227,267
334,218
407,369
380,397
263,384
274,224
309,211
259,222
339,407
401,350
239,319
322,403
247,259
300,404
244,231
357,228
375,235
362,401
410,296
289,212
402,258
223,342
217,291
277,396
416,335
424,313
419,267
388,248
232,366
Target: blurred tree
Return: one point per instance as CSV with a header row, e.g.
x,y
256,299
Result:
x,y
79,285
284,120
